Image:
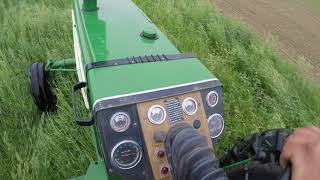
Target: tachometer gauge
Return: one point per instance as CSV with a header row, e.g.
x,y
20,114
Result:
x,y
126,154
216,125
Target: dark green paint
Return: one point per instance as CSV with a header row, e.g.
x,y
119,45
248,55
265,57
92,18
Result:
x,y
150,32
90,5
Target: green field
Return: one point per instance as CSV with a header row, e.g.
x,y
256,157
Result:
x,y
261,91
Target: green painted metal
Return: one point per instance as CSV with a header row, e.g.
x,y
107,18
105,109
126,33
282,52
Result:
x,y
113,32
61,64
96,171
120,80
240,163
82,33
90,5
149,32
63,70
96,142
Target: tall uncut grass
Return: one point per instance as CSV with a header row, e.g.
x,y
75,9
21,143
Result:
x,y
261,91
35,145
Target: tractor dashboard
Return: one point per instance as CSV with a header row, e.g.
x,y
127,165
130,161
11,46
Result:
x,y
133,135
137,86
155,112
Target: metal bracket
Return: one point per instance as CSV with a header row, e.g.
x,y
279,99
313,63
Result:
x,y
66,65
81,122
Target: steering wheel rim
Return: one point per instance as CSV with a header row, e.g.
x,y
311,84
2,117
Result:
x,y
264,147
286,175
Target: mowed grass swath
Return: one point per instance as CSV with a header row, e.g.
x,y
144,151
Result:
x,y
261,91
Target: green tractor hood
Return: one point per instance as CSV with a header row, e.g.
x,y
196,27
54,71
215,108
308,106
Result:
x,y
136,49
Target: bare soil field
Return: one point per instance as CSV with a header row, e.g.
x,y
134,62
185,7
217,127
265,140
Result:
x,y
294,25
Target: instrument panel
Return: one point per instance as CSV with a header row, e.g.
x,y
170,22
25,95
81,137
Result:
x,y
157,116
132,136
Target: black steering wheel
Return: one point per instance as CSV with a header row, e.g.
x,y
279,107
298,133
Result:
x,y
286,174
263,151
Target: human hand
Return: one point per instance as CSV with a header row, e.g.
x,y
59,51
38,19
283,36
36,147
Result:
x,y
302,151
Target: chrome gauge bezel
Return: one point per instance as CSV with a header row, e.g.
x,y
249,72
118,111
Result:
x,y
112,125
127,166
214,137
184,109
164,114
207,98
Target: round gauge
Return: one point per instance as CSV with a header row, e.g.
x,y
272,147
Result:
x,y
189,106
212,98
156,114
120,121
216,125
126,154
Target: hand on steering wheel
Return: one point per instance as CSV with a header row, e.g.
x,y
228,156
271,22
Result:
x,y
263,151
302,152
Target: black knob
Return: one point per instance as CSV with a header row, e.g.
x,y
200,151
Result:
x,y
196,124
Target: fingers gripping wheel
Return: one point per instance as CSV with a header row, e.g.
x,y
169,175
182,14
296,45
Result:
x,y
189,155
39,87
264,150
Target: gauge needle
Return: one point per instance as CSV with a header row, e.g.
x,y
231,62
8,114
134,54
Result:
x,y
128,154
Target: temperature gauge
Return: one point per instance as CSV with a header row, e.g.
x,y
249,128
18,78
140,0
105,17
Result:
x,y
120,121
126,154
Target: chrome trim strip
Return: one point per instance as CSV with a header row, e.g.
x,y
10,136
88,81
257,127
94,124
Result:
x,y
189,87
78,57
